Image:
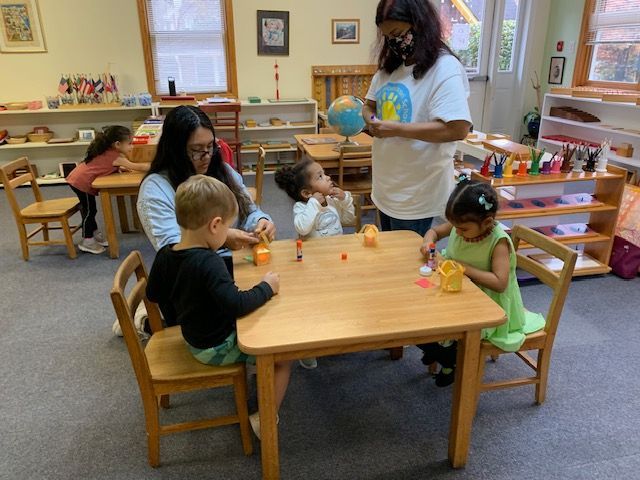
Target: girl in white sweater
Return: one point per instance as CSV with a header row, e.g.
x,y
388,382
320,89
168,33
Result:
x,y
321,207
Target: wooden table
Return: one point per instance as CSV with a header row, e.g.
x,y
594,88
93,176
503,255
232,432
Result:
x,y
117,185
367,302
326,154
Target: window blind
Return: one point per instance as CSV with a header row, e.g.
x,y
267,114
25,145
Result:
x,y
614,21
188,43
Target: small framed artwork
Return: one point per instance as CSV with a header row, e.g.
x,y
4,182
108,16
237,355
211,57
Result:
x,y
66,168
20,27
273,32
345,30
86,134
556,70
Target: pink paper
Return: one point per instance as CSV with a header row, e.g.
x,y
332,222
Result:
x,y
424,283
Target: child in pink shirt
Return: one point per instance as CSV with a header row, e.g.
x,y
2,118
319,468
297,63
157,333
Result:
x,y
105,155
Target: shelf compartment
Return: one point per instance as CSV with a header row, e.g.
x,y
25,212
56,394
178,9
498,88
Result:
x,y
20,146
632,161
591,126
585,264
572,234
516,181
554,205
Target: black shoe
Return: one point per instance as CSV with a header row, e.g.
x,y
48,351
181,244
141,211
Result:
x,y
447,355
445,379
431,352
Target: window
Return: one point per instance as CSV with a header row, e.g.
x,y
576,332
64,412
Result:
x,y
191,41
508,35
609,54
462,30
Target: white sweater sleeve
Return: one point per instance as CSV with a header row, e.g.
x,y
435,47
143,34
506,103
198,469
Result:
x,y
304,216
345,209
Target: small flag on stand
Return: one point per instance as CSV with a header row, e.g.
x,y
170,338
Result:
x,y
63,86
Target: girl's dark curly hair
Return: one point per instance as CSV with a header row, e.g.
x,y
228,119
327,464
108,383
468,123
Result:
x,y
465,204
429,44
292,179
105,139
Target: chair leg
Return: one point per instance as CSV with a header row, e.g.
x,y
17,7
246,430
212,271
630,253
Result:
x,y
45,232
395,353
481,363
68,238
165,401
24,241
240,393
494,358
153,436
544,359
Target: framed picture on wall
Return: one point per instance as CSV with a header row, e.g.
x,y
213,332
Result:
x,y
20,27
273,32
345,30
556,70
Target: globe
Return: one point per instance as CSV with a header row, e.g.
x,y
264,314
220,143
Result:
x,y
345,115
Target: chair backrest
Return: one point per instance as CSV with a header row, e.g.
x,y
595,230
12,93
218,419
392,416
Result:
x,y
558,282
14,174
357,207
125,307
353,156
327,130
260,174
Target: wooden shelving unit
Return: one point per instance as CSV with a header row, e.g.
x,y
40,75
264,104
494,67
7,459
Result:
x,y
594,245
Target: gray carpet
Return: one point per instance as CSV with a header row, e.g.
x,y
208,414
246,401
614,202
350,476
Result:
x,y
70,406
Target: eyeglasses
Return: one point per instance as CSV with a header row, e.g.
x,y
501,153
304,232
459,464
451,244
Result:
x,y
198,155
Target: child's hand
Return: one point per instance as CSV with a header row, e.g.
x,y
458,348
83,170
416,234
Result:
x,y
319,197
338,193
273,279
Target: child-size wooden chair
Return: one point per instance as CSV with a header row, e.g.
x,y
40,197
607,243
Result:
x,y
354,172
542,341
166,366
256,192
44,212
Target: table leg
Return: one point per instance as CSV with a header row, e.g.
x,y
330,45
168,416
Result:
x,y
122,213
462,410
109,224
268,427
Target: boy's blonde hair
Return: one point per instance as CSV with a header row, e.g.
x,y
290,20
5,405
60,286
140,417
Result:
x,y
201,198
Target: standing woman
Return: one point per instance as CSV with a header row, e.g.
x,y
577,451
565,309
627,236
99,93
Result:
x,y
416,109
188,146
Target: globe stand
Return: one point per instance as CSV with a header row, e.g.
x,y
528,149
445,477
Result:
x,y
345,143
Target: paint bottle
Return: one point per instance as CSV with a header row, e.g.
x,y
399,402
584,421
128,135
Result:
x,y
299,250
431,261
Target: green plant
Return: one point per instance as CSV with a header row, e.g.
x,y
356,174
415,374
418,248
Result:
x,y
531,116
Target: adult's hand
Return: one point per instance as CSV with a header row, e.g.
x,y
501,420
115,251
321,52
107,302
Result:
x,y
267,227
384,128
237,239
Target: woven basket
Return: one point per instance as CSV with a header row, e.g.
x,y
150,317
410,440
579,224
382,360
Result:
x,y
39,137
16,140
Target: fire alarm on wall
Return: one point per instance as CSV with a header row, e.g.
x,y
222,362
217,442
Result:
x,y
559,46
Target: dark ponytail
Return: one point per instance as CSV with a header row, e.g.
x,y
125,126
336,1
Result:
x,y
293,179
105,140
471,201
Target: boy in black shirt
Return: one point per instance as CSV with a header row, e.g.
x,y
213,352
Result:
x,y
194,289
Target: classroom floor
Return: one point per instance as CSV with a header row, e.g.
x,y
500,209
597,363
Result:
x,y
70,406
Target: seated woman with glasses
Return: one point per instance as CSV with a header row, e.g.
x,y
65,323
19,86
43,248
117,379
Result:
x,y
188,146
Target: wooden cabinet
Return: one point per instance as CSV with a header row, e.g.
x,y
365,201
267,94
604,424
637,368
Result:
x,y
543,201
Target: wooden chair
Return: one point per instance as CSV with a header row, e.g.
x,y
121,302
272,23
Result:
x,y
256,192
542,341
327,130
166,366
44,212
357,204
354,172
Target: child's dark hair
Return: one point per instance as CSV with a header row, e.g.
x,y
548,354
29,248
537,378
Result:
x,y
471,202
292,179
104,141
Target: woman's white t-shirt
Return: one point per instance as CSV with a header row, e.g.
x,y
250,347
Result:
x,y
412,179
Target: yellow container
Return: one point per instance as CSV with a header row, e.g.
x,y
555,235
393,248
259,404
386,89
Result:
x,y
451,275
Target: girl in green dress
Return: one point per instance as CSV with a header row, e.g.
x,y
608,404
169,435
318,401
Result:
x,y
482,246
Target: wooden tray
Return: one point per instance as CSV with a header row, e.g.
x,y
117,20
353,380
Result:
x,y
570,113
508,147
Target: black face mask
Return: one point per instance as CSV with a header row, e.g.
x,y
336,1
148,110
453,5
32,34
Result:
x,y
404,45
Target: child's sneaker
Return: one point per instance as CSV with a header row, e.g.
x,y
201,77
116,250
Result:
x,y
445,377
308,363
99,238
90,245
254,420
